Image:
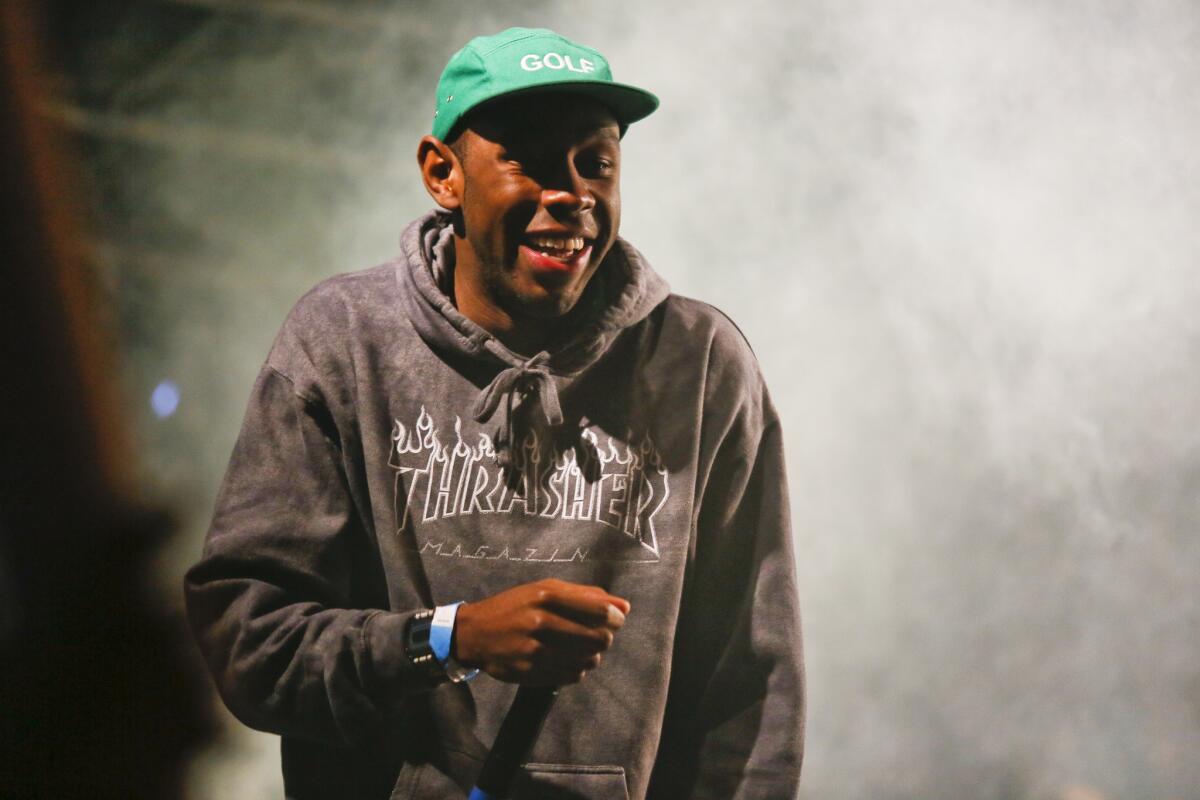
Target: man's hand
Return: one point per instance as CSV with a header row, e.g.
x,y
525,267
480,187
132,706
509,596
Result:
x,y
547,633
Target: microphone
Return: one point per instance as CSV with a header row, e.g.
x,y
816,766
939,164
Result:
x,y
518,732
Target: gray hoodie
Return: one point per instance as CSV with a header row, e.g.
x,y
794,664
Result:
x,y
395,456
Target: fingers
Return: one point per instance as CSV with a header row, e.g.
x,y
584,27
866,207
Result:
x,y
573,625
587,605
558,665
541,664
567,634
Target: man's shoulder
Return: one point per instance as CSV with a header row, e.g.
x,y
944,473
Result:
x,y
347,294
706,325
331,319
707,337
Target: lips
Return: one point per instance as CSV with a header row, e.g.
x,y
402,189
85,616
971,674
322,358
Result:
x,y
556,246
555,252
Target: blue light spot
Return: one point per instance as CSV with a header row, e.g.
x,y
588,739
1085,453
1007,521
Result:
x,y
165,399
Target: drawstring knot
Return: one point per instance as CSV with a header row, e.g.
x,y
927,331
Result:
x,y
530,377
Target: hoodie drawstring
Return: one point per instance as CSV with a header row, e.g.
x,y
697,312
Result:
x,y
531,375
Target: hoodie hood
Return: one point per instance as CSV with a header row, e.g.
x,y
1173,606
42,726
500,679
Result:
x,y
623,292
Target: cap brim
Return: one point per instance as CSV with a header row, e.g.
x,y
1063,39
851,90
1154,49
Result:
x,y
628,103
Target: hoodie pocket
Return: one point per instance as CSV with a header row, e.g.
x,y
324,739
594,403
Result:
x,y
422,781
534,782
571,782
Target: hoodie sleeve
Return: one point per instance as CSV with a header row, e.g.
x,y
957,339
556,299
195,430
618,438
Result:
x,y
281,602
737,717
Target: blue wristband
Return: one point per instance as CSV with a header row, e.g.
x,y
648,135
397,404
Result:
x,y
442,629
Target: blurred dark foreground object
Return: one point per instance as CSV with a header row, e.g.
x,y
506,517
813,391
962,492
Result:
x,y
96,696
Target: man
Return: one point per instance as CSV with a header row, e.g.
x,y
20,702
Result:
x,y
517,414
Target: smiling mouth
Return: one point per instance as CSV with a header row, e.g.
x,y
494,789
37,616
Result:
x,y
563,248
557,254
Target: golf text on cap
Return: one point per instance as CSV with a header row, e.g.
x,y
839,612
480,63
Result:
x,y
533,62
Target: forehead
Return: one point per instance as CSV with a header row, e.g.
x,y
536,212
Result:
x,y
547,118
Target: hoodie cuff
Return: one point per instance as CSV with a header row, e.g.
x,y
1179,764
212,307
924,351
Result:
x,y
391,674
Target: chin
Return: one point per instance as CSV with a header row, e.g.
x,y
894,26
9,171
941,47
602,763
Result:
x,y
548,308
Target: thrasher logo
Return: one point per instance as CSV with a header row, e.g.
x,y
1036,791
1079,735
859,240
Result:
x,y
622,486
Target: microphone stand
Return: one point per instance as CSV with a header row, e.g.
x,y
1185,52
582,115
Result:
x,y
518,732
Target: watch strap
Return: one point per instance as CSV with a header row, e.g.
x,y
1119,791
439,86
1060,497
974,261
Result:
x,y
428,641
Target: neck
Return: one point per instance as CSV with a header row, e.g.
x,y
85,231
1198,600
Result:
x,y
521,335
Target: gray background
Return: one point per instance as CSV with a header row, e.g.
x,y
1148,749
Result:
x,y
961,236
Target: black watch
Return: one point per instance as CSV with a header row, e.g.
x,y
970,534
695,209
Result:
x,y
418,649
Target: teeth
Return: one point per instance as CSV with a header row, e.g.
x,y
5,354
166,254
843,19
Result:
x,y
567,243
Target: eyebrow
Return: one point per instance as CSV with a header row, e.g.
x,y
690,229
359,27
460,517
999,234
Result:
x,y
606,133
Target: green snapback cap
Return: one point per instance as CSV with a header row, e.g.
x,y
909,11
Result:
x,y
529,60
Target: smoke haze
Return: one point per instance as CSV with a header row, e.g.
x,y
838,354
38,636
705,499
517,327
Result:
x,y
961,237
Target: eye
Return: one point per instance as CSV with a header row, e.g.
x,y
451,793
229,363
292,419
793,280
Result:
x,y
596,166
513,164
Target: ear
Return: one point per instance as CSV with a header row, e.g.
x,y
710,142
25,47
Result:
x,y
441,172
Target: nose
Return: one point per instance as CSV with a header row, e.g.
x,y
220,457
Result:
x,y
569,192
571,200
